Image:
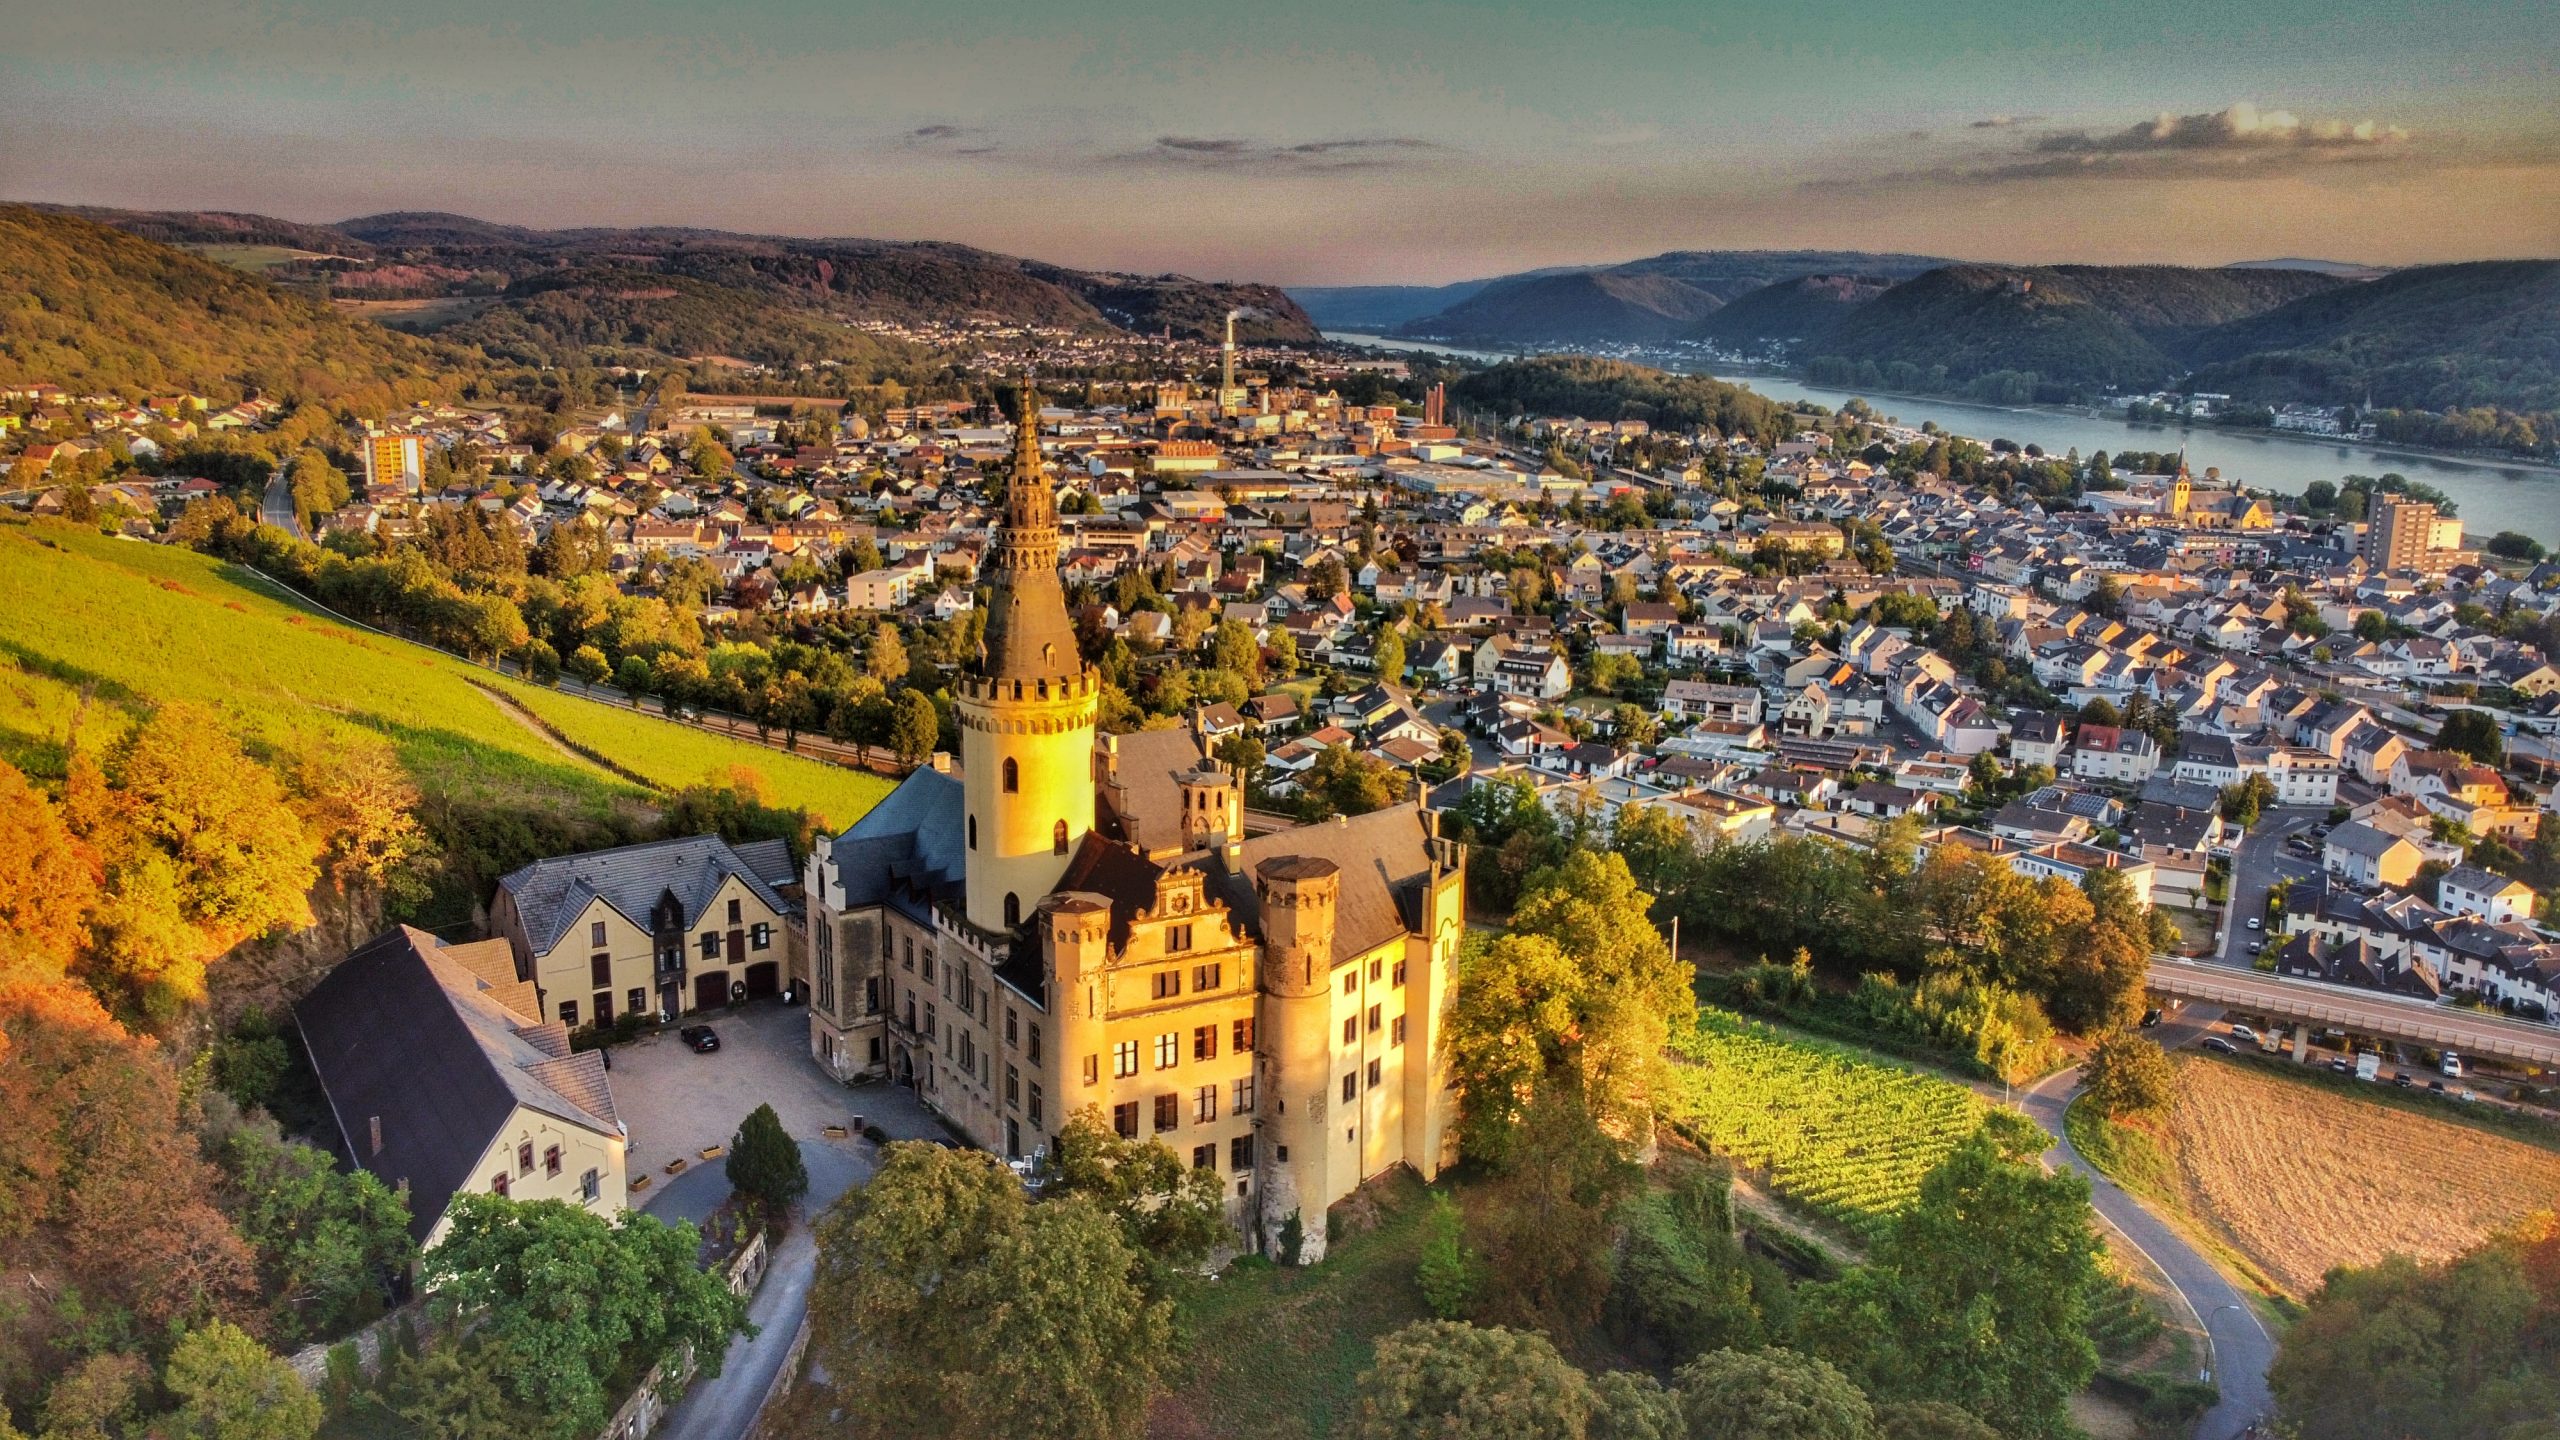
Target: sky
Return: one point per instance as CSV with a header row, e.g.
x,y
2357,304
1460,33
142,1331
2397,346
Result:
x,y
1333,141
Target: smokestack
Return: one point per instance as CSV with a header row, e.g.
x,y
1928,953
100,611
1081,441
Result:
x,y
1227,360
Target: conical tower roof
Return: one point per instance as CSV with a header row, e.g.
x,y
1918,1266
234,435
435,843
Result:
x,y
1028,634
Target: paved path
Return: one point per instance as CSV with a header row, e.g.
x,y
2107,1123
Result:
x,y
2242,1348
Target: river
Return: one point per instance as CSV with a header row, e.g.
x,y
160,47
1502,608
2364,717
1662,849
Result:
x,y
2489,495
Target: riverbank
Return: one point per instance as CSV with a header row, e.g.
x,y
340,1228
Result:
x,y
2492,494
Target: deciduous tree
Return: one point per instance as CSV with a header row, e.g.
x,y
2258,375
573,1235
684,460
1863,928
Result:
x,y
228,1387
1448,1380
1772,1394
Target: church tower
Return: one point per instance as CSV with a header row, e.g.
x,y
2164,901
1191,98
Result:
x,y
1026,711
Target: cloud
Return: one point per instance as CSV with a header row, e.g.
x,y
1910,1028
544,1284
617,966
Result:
x,y
2000,122
1309,157
2240,127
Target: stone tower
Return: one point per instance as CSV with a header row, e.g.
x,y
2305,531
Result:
x,y
1294,1049
1026,711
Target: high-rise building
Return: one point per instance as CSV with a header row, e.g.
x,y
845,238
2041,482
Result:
x,y
1079,921
2398,534
395,459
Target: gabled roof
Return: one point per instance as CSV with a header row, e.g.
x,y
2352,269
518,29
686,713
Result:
x,y
551,894
405,1037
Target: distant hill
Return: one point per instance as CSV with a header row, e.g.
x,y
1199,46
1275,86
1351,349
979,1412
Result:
x,y
1585,307
572,316
218,227
2075,327
1802,311
822,280
2435,336
91,307
2343,269
1649,301
1375,309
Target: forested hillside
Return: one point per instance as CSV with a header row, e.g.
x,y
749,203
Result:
x,y
567,317
90,307
2438,336
1643,301
1804,310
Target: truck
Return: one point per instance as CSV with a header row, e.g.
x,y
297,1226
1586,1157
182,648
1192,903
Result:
x,y
2368,1066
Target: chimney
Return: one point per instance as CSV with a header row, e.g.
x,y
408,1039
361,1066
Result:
x,y
376,1127
941,761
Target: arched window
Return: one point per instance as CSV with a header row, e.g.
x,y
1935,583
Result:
x,y
973,832
1012,909
1058,838
1012,776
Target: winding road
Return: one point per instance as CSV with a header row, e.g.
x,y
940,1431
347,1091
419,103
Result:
x,y
2242,1349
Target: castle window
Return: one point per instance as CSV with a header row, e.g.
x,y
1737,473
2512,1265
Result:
x,y
1058,839
1204,1104
1373,1018
1168,1112
1350,1029
1168,1049
1373,1073
1033,1048
1399,974
1244,1035
1204,1042
1168,984
1204,977
1124,1119
973,832
1012,903
1396,1034
1177,938
1350,980
595,933
1204,1157
1012,776
1240,1153
1241,1102
1035,1103
1124,1059
1351,1085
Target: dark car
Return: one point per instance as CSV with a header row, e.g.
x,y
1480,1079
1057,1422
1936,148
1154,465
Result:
x,y
2436,1085
2220,1046
2150,1017
2401,1079
701,1039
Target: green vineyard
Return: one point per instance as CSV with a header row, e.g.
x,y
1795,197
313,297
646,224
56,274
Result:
x,y
1848,1136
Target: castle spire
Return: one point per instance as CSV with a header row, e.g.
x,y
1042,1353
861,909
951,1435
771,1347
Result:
x,y
1028,635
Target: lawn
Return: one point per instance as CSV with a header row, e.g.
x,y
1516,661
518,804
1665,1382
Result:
x,y
2294,1177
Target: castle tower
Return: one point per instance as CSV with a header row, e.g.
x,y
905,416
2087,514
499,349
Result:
x,y
1026,711
1212,806
1295,1048
1079,945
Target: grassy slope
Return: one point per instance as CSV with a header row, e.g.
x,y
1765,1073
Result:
x,y
669,755
134,625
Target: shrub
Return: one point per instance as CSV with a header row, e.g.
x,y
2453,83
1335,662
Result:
x,y
2127,1075
1447,1272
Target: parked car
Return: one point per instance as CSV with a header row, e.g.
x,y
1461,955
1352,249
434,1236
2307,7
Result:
x,y
701,1039
2257,947
2220,1046
2150,1017
2436,1085
2254,923
2243,1032
2342,1067
2401,1079
2451,1066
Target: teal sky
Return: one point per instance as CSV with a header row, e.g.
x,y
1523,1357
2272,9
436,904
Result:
x,y
1308,140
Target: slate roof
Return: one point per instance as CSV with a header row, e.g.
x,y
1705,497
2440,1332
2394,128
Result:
x,y
1384,857
1140,802
551,894
404,1034
913,843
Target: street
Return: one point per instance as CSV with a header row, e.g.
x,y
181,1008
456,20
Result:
x,y
275,506
2259,862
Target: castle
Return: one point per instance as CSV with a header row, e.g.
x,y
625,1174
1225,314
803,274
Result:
x,y
1082,920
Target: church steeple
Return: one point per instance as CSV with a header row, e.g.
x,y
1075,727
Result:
x,y
1028,634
